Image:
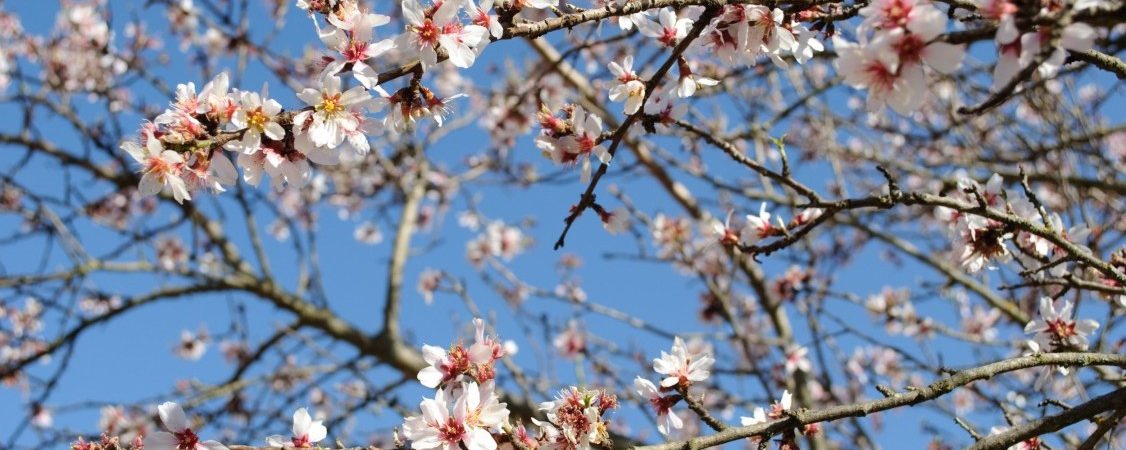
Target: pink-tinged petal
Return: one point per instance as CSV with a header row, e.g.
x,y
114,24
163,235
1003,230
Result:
x,y
910,91
333,38
495,29
673,420
134,150
274,131
277,441
311,97
943,57
1086,326
301,422
480,354
1078,37
171,157
473,35
210,445
1006,68
296,173
172,416
150,185
222,170
426,442
271,107
480,439
354,95
159,440
238,119
324,156
446,12
179,189
152,144
645,388
1007,31
472,396
433,410
428,56
317,431
927,22
670,382
460,54
433,354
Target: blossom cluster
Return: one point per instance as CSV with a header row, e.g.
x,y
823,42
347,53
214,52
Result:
x,y
980,242
181,436
573,137
681,369
466,409
897,39
759,227
184,149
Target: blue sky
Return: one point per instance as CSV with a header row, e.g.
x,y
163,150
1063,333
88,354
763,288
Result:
x,y
131,360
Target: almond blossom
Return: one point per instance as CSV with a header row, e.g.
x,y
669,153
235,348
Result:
x,y
474,413
690,81
874,66
179,435
436,27
161,168
257,114
306,432
681,367
796,359
1058,330
442,367
662,405
330,120
577,139
575,419
481,16
913,15
353,42
668,29
630,88
768,34
757,227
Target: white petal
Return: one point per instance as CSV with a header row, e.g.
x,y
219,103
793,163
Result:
x,y
943,57
275,131
301,422
317,431
159,440
171,414
150,185
210,445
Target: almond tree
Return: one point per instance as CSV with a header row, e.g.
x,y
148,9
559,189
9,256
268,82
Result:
x,y
797,173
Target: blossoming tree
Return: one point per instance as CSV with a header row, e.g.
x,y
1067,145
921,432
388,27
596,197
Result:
x,y
809,224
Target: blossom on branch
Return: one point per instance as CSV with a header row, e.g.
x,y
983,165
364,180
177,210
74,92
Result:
x,y
682,367
179,435
306,432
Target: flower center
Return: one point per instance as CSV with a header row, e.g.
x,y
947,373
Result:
x,y
186,440
451,431
428,33
330,105
257,119
356,51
